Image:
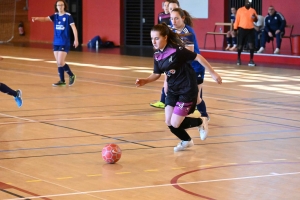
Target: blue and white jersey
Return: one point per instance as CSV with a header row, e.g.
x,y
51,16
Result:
x,y
62,28
191,40
232,18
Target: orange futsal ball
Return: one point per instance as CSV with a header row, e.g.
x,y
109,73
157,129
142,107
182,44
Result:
x,y
111,153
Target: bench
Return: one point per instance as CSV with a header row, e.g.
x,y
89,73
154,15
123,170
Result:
x,y
215,32
288,36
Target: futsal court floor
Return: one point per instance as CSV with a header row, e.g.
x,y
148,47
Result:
x,y
51,147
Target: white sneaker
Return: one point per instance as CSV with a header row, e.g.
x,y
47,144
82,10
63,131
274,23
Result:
x,y
277,51
203,128
261,50
183,145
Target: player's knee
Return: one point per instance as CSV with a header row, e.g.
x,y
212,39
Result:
x,y
175,124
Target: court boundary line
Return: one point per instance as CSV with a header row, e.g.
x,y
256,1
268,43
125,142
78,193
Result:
x,y
161,185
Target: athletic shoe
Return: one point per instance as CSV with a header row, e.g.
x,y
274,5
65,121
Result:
x,y
277,51
158,104
72,80
59,83
203,128
238,62
183,145
18,98
251,64
261,50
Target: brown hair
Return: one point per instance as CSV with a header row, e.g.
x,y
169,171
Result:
x,y
164,30
65,3
184,14
175,1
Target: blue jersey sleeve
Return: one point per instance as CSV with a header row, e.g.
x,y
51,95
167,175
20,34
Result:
x,y
71,20
52,17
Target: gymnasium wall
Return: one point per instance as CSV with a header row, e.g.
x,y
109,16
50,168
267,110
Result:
x,y
103,17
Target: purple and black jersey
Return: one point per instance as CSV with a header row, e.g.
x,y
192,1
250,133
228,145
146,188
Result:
x,y
62,28
163,17
174,62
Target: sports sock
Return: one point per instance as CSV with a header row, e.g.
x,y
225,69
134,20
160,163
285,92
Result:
x,y
68,70
163,95
5,89
61,73
190,122
180,133
201,107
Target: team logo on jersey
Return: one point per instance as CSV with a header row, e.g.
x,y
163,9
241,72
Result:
x,y
275,17
59,22
64,19
172,71
171,59
60,27
268,21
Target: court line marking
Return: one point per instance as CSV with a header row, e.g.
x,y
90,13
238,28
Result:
x,y
158,186
52,183
217,87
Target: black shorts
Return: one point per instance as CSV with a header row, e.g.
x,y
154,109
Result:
x,y
246,35
171,100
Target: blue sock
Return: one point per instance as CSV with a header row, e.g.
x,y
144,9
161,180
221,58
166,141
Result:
x,y
201,107
234,41
61,73
163,95
68,70
5,89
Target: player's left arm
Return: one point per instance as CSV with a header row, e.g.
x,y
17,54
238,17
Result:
x,y
74,29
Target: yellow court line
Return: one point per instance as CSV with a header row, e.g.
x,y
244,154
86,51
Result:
x,y
123,172
203,166
178,167
230,164
32,181
151,170
94,175
64,178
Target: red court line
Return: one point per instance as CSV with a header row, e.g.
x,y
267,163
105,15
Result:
x,y
175,179
7,186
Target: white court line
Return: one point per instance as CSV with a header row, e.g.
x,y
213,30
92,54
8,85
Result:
x,y
223,88
156,186
141,88
36,178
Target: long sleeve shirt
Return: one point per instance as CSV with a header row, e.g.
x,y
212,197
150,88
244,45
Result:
x,y
275,22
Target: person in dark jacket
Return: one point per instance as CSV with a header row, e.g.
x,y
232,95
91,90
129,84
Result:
x,y
274,27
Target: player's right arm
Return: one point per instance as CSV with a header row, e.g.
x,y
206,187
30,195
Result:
x,y
41,19
142,81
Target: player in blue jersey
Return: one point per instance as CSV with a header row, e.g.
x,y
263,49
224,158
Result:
x,y
17,94
182,23
173,59
231,35
63,24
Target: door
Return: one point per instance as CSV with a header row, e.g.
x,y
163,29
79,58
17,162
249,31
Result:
x,y
139,19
